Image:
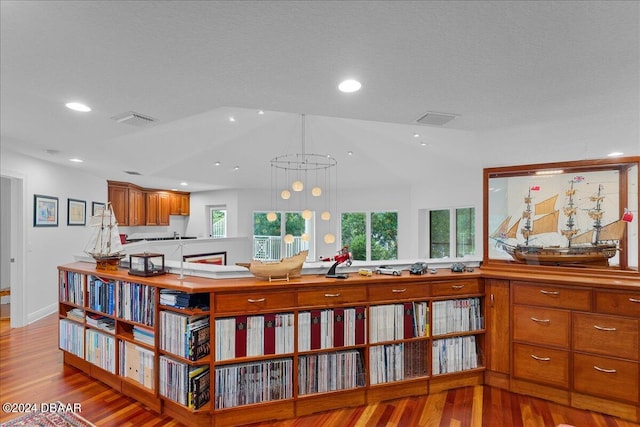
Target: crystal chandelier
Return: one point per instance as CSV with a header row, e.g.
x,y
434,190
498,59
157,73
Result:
x,y
294,176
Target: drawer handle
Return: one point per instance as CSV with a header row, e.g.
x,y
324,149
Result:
x,y
457,287
606,371
535,319
541,359
332,295
604,328
550,293
253,301
634,299
398,291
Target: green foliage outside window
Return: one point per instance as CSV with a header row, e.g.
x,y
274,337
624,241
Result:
x,y
384,235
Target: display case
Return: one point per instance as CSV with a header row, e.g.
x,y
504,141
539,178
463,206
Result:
x,y
569,215
146,264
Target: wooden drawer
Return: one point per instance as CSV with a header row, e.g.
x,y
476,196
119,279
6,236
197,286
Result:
x,y
541,326
608,335
253,302
603,376
618,302
379,293
455,287
541,365
332,296
551,296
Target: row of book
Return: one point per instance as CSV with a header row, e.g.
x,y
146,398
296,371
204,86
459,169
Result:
x,y
458,315
71,337
392,322
185,335
247,383
76,314
181,299
101,350
258,335
342,370
185,384
338,327
136,363
395,362
454,354
136,302
102,295
71,287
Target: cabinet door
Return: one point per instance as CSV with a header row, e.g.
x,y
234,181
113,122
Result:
x,y
185,204
164,207
136,207
152,208
119,198
498,325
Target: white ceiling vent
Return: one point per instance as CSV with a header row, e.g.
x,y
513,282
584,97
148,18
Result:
x,y
133,119
435,119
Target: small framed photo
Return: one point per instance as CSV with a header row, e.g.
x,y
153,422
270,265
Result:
x,y
45,211
212,258
97,208
76,212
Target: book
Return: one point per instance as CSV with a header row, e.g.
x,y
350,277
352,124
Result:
x,y
315,330
408,320
361,326
269,333
338,327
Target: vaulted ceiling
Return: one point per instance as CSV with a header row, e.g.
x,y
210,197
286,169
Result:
x,y
191,65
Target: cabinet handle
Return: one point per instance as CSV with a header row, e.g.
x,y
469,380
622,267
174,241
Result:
x,y
398,291
606,371
457,287
492,300
604,328
541,359
550,293
634,299
253,301
332,295
535,319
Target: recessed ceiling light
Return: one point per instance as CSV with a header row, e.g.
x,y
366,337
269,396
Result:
x,y
232,119
424,144
236,168
615,154
350,153
77,106
184,184
217,163
260,112
76,160
416,135
349,86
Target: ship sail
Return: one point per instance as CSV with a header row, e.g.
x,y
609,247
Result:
x,y
613,231
546,224
546,206
502,229
105,238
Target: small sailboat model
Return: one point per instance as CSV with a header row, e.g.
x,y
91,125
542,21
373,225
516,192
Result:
x,y
285,269
592,247
105,246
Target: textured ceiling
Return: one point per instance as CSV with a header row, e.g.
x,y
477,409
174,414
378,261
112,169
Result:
x,y
192,64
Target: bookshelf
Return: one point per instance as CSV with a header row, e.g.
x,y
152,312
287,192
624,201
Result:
x,y
228,352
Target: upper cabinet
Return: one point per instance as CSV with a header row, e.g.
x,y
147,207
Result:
x,y
136,206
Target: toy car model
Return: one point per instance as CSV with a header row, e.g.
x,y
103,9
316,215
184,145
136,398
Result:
x,y
418,268
385,269
365,272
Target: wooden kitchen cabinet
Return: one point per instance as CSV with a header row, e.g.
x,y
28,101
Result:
x,y
128,203
158,208
498,333
179,203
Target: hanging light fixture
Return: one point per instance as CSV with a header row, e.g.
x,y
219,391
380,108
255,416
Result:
x,y
309,171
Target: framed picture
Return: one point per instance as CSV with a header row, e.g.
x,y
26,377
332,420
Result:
x,y
45,211
76,212
97,208
213,258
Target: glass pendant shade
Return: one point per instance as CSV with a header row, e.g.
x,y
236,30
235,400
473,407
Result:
x,y
271,216
316,191
288,238
297,186
306,214
326,215
285,194
305,237
329,238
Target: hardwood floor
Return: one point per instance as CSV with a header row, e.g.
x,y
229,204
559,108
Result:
x,y
31,371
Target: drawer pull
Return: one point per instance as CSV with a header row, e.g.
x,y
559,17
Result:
x,y
253,301
634,300
398,291
541,359
535,319
606,371
604,328
550,293
457,287
332,295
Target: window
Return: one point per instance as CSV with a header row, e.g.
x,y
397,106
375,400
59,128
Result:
x,y
218,222
286,236
451,228
370,237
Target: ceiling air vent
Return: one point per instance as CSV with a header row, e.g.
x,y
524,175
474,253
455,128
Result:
x,y
132,172
435,119
133,119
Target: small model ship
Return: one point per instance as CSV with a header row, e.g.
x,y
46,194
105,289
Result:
x,y
105,246
593,247
284,269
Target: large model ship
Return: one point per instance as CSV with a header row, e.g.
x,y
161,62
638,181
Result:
x,y
285,269
595,246
105,246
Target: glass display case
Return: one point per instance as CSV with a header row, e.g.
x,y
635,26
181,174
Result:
x,y
146,264
581,214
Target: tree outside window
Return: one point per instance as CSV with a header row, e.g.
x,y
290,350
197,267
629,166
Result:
x,y
371,237
451,228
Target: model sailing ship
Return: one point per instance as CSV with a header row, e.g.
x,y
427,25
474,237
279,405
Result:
x,y
285,269
592,247
105,246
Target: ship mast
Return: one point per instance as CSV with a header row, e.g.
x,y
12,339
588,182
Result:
x,y
596,213
569,212
526,229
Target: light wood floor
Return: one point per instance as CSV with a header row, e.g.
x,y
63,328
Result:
x,y
31,370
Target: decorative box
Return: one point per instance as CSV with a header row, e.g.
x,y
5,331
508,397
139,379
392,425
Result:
x,y
146,264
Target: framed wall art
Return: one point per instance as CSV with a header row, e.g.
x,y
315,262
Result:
x,y
76,212
45,211
97,208
213,258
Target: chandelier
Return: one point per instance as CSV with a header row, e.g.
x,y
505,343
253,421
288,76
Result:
x,y
295,176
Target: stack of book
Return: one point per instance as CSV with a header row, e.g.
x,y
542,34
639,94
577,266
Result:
x,y
181,299
185,336
103,322
144,335
187,385
76,314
